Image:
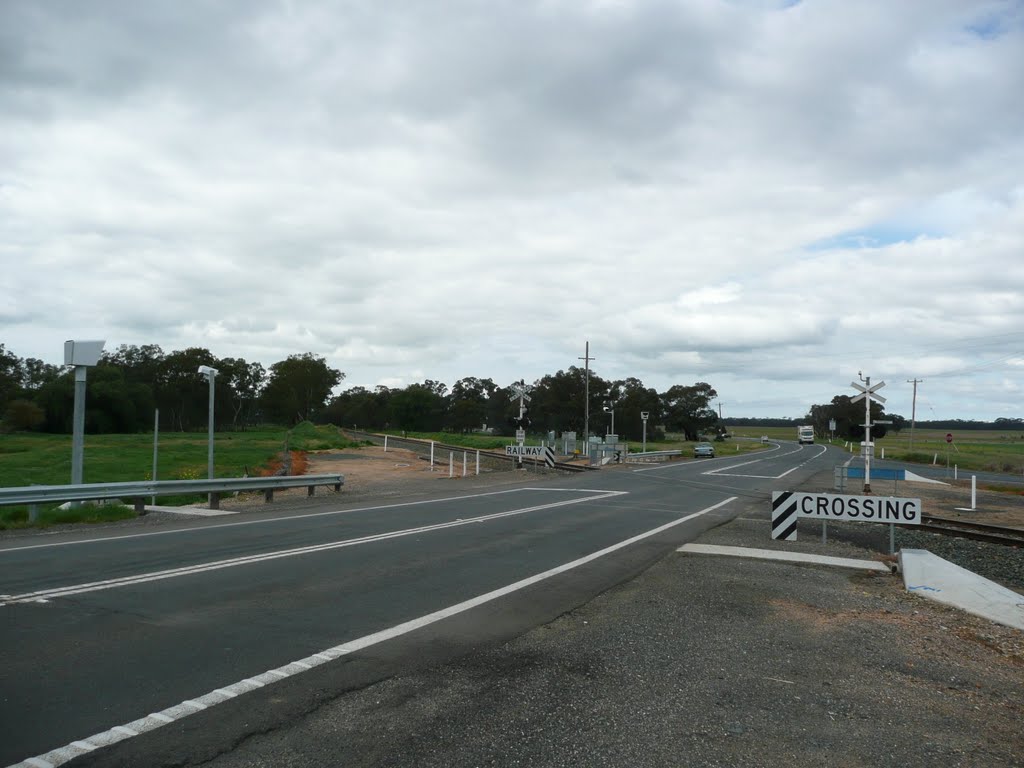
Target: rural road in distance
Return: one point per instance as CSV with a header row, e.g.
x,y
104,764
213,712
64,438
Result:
x,y
99,630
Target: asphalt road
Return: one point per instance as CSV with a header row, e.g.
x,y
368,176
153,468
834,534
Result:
x,y
202,624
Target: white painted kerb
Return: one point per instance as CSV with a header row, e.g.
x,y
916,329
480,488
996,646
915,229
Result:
x,y
789,557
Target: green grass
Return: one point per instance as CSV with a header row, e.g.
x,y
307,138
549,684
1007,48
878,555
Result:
x,y
979,451
38,459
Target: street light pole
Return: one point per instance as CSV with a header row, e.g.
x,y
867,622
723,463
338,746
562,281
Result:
x,y
211,374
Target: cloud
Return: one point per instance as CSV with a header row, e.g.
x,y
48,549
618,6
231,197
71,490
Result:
x,y
758,195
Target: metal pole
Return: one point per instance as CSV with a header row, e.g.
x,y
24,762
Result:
x,y
913,411
867,436
478,462
645,436
586,400
209,447
156,441
78,430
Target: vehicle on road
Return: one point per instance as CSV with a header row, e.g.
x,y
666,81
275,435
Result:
x,y
805,434
703,450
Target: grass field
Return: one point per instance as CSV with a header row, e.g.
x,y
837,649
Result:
x,y
977,450
38,459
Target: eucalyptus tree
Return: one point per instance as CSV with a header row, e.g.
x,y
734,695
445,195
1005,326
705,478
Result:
x,y
687,409
297,387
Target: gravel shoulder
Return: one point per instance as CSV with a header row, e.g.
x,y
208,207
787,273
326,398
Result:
x,y
700,661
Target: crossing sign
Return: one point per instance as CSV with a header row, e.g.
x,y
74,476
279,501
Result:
x,y
532,451
869,392
787,506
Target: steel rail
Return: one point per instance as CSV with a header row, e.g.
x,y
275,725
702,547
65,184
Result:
x,y
992,534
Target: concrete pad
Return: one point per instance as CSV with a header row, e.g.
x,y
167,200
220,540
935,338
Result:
x,y
190,511
789,557
930,576
915,478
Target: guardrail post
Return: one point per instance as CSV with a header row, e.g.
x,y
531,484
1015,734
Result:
x,y
214,500
268,495
140,504
311,490
33,513
337,487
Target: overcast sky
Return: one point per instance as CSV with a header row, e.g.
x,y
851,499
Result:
x,y
765,196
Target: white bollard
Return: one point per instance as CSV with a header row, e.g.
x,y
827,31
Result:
x,y
955,477
385,443
451,464
478,462
974,492
431,455
463,463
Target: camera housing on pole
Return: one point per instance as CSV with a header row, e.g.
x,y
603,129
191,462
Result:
x,y
80,354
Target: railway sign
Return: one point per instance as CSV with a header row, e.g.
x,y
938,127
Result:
x,y
532,451
867,392
787,506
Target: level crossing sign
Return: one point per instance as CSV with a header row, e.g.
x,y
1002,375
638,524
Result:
x,y
787,506
532,451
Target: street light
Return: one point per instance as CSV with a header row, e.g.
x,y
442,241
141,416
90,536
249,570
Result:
x,y
610,408
80,354
209,373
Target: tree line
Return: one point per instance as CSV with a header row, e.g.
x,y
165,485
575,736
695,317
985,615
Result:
x,y
131,383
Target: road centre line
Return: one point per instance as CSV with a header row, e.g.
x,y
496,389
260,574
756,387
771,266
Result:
x,y
723,473
235,524
156,720
142,578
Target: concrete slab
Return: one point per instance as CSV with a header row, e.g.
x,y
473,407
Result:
x,y
790,557
191,511
930,576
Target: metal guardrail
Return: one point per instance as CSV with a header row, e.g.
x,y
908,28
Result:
x,y
138,492
653,455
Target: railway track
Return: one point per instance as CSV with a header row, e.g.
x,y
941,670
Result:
x,y
992,534
423,447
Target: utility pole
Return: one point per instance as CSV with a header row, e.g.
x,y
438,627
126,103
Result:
x,y
913,410
586,400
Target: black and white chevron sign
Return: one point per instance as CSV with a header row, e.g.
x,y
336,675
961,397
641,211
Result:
x,y
784,514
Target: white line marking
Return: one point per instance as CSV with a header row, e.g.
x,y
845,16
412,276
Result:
x,y
196,529
379,637
726,471
83,745
42,595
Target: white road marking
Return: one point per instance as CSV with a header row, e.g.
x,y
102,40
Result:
x,y
44,595
116,734
727,471
308,515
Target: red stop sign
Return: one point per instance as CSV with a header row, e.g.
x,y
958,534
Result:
x,y
949,437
